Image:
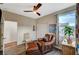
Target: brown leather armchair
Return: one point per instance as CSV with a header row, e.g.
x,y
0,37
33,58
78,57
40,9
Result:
x,y
32,48
45,46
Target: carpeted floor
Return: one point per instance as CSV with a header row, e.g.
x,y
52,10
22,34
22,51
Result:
x,y
54,52
20,50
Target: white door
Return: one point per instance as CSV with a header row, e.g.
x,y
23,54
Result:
x,y
10,31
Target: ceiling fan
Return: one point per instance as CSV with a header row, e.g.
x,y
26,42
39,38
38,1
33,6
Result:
x,y
35,9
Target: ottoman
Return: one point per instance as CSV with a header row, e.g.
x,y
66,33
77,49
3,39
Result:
x,y
32,48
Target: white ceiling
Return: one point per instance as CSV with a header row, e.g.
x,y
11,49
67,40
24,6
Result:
x,y
47,8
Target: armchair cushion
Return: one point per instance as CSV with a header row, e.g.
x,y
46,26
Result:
x,y
31,46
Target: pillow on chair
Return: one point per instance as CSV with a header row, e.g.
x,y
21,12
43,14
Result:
x,y
46,38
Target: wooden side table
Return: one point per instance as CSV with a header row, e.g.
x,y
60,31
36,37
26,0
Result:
x,y
68,50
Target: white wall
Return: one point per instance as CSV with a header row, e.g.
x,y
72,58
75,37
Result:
x,y
10,31
43,23
25,25
42,29
25,29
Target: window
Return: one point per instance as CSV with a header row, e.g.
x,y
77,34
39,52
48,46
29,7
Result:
x,y
67,18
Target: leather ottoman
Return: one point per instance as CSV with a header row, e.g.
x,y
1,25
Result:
x,y
32,48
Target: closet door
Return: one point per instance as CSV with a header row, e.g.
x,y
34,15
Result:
x,y
10,32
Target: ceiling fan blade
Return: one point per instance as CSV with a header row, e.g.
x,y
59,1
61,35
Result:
x,y
37,7
28,11
38,13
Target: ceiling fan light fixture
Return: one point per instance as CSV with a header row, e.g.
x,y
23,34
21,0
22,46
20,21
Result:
x,y
35,9
34,12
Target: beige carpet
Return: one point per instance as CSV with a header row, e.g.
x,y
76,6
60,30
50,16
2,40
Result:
x,y
54,52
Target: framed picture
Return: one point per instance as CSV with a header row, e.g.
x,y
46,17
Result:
x,y
52,28
33,27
